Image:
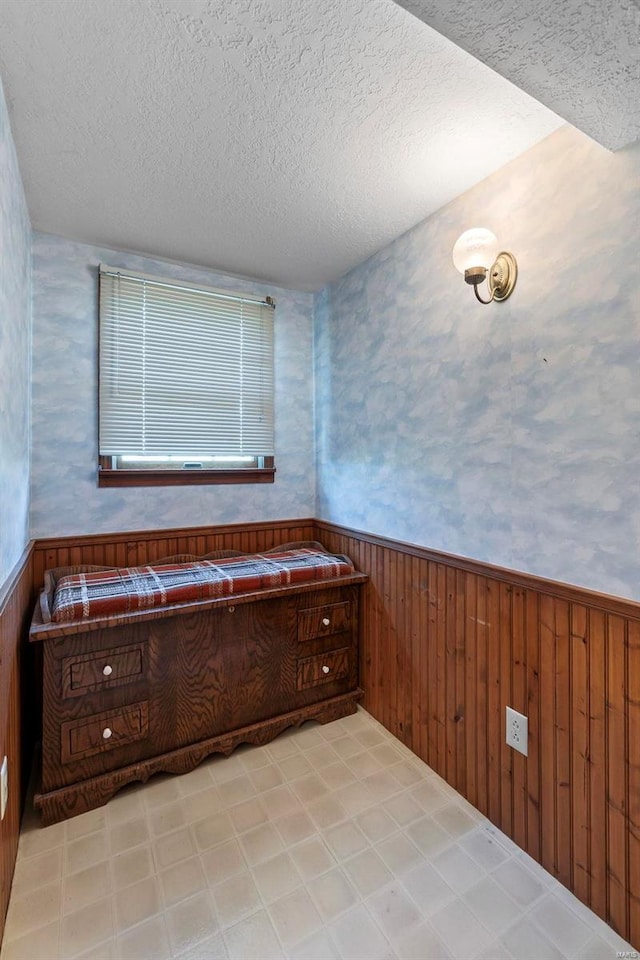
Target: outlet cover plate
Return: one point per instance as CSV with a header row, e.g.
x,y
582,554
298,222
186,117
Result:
x,y
517,731
4,787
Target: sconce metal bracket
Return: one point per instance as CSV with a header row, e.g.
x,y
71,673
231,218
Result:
x,y
502,276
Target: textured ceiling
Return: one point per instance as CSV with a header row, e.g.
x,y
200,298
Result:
x,y
285,140
579,57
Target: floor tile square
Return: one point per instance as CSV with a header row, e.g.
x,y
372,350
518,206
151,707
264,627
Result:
x,y
33,909
518,882
172,847
428,836
80,889
253,939
394,911
294,767
326,812
492,906
332,894
295,917
167,818
85,823
358,937
309,788
265,778
337,775
236,898
132,866
525,939
312,858
39,944
277,877
484,848
136,903
561,925
376,824
86,928
83,853
457,868
455,821
33,872
346,747
295,827
427,888
398,853
280,802
148,941
460,931
421,943
131,833
237,790
247,815
367,872
319,946
261,843
191,921
221,862
182,880
404,809
345,840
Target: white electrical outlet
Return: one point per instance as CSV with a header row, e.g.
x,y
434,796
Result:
x,y
4,787
517,731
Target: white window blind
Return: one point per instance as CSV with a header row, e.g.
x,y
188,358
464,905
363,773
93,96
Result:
x,y
184,370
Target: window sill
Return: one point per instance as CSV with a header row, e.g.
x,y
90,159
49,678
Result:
x,y
182,478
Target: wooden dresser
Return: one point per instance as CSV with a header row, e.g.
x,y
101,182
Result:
x,y
129,695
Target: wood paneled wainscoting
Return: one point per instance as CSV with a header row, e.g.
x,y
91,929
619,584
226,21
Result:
x,y
448,643
15,611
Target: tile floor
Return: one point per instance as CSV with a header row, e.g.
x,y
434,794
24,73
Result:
x,y
330,842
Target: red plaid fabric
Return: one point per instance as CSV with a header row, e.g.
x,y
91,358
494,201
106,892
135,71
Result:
x,y
126,590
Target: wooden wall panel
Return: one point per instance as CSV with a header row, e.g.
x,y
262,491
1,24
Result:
x,y
633,701
449,643
15,608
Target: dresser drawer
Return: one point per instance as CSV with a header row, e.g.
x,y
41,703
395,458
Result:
x,y
106,668
104,731
322,621
323,668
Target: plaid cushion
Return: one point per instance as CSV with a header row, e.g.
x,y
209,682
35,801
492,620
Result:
x,y
126,590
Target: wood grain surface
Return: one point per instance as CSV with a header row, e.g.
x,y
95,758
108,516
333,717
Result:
x,y
15,603
205,671
77,798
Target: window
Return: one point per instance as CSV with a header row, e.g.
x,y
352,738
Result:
x,y
186,383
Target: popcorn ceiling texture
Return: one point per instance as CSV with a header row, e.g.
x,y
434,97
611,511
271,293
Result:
x,y
65,500
509,433
15,334
579,57
280,139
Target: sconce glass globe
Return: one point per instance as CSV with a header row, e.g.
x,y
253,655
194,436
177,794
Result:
x,y
475,248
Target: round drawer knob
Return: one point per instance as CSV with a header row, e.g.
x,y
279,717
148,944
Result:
x,y
326,669
106,733
107,670
231,609
325,621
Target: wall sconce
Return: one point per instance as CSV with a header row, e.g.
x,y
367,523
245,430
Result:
x,y
475,254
